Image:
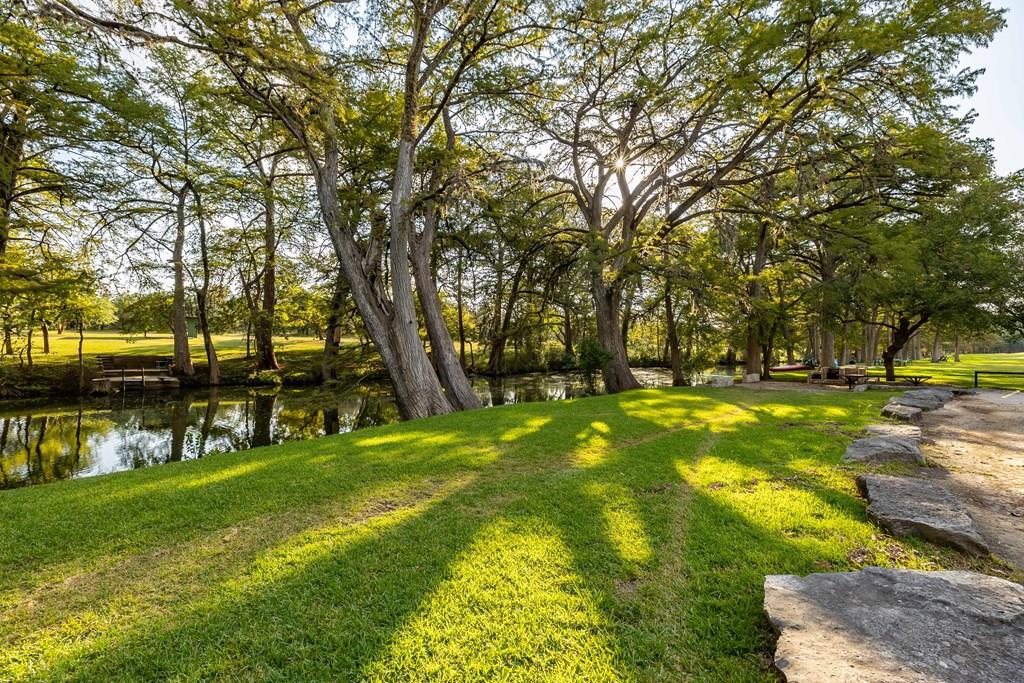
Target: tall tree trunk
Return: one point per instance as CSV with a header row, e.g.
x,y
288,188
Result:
x,y
81,358
45,329
28,346
328,365
12,150
956,347
459,311
673,340
568,341
627,315
752,357
8,341
936,347
828,347
447,366
266,359
203,295
182,357
503,323
607,302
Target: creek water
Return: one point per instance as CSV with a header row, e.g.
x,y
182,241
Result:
x,y
45,441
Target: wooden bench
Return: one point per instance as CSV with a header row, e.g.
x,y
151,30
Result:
x,y
916,380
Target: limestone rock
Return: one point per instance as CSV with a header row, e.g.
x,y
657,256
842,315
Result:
x,y
941,395
923,402
720,380
911,432
883,449
897,626
901,413
910,506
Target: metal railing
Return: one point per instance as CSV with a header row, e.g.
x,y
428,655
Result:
x,y
993,372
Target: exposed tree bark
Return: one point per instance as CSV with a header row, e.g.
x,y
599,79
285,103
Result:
x,y
460,312
447,366
936,347
81,358
568,340
902,331
503,323
13,134
752,357
328,365
266,359
608,301
44,327
203,295
672,336
182,357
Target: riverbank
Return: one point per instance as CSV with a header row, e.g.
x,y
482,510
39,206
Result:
x,y
615,537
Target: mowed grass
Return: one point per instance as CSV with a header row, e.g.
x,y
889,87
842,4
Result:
x,y
622,537
64,347
951,373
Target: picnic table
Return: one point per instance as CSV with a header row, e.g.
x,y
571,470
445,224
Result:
x,y
853,379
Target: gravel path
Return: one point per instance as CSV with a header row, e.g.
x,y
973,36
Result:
x,y
978,443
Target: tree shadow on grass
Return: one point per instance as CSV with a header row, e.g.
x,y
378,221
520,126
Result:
x,y
611,560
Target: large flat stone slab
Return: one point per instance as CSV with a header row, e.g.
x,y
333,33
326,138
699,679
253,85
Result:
x,y
908,506
924,402
902,413
883,449
903,431
897,626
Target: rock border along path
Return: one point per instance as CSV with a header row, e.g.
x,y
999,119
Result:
x,y
909,506
901,626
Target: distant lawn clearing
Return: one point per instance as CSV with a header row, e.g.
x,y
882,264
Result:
x,y
64,347
954,374
614,538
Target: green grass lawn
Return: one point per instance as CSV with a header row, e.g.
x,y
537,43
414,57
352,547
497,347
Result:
x,y
954,374
613,538
64,347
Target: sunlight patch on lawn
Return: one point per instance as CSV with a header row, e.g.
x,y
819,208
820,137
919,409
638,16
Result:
x,y
390,438
531,426
513,608
592,448
622,522
225,474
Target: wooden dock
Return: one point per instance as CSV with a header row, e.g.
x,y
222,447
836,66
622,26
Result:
x,y
108,385
118,377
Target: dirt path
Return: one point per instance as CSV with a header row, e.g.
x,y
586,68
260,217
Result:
x,y
978,442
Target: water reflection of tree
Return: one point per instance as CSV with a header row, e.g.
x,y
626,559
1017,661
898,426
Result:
x,y
38,449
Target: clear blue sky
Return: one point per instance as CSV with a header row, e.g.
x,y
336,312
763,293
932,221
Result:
x,y
999,101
